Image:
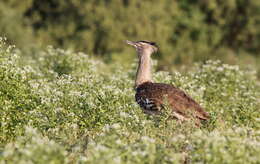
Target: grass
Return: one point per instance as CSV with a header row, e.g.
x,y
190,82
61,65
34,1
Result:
x,y
65,107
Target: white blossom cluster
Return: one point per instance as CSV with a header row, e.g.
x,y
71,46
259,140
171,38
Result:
x,y
66,107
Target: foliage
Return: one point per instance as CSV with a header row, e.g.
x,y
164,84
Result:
x,y
66,107
34,148
186,30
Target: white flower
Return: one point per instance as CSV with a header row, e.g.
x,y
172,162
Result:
x,y
115,126
147,139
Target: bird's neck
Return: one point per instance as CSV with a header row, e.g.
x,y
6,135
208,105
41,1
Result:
x,y
144,69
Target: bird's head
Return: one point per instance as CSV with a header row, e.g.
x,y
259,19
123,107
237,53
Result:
x,y
143,47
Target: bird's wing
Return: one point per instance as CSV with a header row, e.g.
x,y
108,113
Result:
x,y
164,94
184,104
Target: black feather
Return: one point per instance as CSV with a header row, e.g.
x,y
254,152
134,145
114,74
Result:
x,y
147,42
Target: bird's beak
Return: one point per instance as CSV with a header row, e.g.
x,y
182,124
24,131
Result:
x,y
130,43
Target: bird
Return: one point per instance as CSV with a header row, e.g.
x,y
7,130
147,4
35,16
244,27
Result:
x,y
153,97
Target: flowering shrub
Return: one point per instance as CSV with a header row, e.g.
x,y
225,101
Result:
x,y
65,107
34,148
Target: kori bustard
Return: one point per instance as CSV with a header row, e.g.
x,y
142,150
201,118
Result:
x,y
152,97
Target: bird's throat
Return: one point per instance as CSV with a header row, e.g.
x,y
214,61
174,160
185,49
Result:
x,y
144,70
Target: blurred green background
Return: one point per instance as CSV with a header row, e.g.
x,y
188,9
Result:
x,y
186,31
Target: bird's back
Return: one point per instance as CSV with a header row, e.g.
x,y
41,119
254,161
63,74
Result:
x,y
153,96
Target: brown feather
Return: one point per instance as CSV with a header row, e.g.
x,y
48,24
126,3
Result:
x,y
152,96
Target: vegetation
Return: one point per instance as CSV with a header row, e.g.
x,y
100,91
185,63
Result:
x,y
59,106
66,107
186,30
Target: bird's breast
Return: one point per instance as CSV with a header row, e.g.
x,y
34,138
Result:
x,y
147,101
